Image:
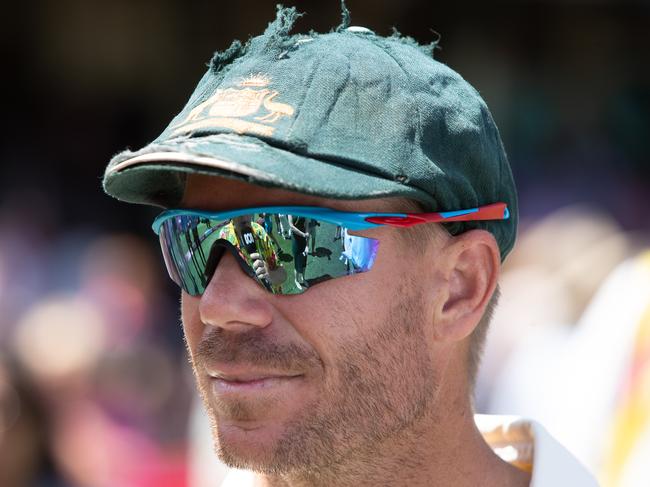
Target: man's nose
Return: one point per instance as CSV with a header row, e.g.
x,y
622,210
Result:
x,y
233,300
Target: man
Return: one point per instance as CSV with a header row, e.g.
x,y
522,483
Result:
x,y
365,376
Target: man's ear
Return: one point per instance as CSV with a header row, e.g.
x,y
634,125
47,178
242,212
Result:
x,y
470,266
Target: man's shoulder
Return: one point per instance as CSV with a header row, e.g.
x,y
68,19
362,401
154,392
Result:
x,y
527,445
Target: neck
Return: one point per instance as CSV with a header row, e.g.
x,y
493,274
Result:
x,y
440,450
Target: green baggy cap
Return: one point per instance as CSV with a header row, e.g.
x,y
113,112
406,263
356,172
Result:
x,y
346,114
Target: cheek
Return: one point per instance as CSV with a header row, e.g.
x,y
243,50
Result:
x,y
323,319
356,309
339,310
192,325
337,314
397,263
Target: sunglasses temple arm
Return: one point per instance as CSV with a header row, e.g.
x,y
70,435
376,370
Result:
x,y
496,211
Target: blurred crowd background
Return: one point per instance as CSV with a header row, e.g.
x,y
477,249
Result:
x,y
95,388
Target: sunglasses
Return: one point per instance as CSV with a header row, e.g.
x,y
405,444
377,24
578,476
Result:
x,y
285,249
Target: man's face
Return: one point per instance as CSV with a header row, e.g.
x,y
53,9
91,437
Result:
x,y
303,381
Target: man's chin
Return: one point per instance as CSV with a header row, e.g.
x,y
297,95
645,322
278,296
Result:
x,y
249,446
254,430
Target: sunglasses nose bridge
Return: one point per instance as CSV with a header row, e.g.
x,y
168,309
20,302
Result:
x,y
218,252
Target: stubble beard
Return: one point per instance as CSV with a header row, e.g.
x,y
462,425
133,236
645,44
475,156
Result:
x,y
385,385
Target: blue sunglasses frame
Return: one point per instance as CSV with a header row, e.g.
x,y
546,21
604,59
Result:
x,y
341,219
350,220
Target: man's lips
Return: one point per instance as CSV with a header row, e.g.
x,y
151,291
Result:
x,y
229,379
245,374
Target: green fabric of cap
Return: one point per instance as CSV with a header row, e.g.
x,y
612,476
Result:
x,y
346,114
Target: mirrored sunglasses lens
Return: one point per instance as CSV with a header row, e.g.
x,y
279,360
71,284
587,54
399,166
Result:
x,y
286,254
184,253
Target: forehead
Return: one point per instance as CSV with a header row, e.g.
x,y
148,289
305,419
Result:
x,y
217,193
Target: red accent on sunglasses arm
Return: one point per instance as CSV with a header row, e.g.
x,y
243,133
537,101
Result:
x,y
495,211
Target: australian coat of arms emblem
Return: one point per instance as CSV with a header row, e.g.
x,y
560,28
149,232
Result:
x,y
226,107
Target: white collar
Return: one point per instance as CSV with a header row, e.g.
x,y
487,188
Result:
x,y
527,445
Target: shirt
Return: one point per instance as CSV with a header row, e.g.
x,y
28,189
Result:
x,y
528,446
523,443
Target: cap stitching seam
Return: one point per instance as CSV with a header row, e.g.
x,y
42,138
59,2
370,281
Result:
x,y
386,48
312,76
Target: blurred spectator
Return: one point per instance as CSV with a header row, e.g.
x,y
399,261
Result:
x,y
581,372
624,461
114,397
118,274
553,272
23,261
58,341
24,433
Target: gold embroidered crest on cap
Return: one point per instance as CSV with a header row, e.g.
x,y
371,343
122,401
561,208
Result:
x,y
226,107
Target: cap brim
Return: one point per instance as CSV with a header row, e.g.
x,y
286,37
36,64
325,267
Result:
x,y
156,174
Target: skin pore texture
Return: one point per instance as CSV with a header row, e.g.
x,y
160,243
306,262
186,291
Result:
x,y
368,372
